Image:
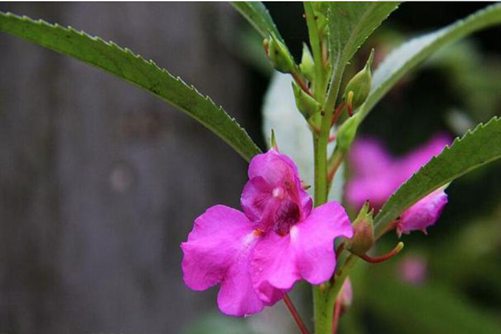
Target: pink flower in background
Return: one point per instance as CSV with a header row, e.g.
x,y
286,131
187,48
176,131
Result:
x,y
257,255
377,175
345,296
413,269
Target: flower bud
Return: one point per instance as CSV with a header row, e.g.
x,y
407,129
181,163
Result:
x,y
363,236
358,88
307,65
347,132
279,55
307,105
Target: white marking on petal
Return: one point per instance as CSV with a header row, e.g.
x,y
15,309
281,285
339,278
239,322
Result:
x,y
293,232
278,192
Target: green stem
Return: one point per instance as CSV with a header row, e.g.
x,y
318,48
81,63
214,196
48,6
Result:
x,y
323,298
335,161
323,309
341,275
316,48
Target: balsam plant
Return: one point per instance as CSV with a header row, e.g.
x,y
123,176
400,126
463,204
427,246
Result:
x,y
283,234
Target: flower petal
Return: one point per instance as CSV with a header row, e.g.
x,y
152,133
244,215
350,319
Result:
x,y
272,166
422,214
218,235
218,250
273,265
306,252
313,241
256,197
272,177
237,296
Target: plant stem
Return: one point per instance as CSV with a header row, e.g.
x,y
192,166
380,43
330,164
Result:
x,y
334,162
295,314
316,48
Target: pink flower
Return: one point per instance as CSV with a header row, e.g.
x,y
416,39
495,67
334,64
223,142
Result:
x,y
413,269
422,214
345,296
377,175
257,256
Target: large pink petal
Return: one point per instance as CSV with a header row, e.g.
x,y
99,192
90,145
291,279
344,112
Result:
x,y
313,241
218,235
237,296
306,252
273,265
218,250
422,214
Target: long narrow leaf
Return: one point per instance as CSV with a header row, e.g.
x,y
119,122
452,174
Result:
x,y
259,17
124,64
412,53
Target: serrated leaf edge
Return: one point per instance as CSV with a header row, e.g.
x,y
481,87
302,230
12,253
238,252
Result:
x,y
149,62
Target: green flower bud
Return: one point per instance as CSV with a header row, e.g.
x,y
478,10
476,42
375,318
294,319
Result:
x,y
347,132
279,55
307,65
358,88
363,228
307,105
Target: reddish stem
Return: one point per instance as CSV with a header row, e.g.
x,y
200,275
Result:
x,y
337,113
301,83
382,258
339,250
297,318
335,318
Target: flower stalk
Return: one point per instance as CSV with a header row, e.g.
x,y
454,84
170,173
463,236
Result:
x,y
295,315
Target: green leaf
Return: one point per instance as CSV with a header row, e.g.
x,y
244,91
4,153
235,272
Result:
x,y
133,68
259,17
349,25
474,149
412,53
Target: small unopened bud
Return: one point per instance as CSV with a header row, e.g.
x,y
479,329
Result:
x,y
307,65
347,132
358,88
279,55
307,105
363,228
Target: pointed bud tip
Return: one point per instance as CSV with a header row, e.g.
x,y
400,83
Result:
x,y
279,55
273,140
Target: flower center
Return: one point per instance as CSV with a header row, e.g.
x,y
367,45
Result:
x,y
278,193
286,216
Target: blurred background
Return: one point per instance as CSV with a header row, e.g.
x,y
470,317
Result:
x,y
100,182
